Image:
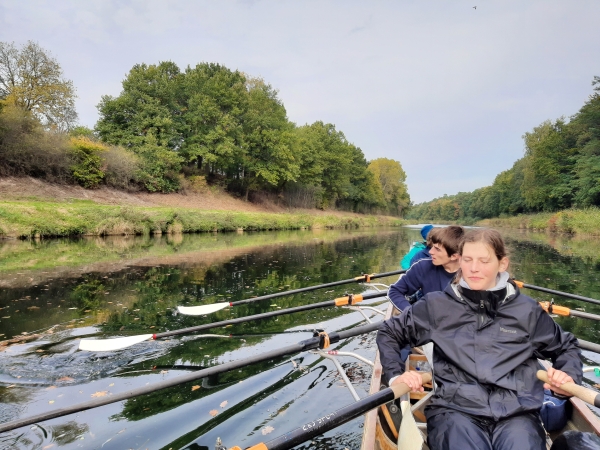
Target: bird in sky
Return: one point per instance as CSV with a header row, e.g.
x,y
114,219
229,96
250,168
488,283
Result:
x,y
474,7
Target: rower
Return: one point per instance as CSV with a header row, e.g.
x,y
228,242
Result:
x,y
487,337
429,274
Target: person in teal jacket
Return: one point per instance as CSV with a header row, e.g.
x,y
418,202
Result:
x,y
419,248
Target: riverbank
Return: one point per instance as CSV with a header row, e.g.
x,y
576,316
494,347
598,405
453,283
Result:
x,y
36,219
31,208
570,221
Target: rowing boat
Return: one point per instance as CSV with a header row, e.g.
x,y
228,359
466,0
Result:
x,y
378,435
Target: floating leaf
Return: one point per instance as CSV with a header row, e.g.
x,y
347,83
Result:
x,y
51,401
267,430
213,412
66,379
195,387
99,394
223,404
47,447
111,384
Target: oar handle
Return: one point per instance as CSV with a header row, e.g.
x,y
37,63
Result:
x,y
550,308
582,393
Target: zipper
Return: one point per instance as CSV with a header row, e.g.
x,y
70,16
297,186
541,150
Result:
x,y
481,313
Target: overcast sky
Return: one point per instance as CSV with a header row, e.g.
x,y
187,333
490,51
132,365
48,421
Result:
x,y
446,89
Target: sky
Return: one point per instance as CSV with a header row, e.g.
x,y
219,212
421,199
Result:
x,y
445,88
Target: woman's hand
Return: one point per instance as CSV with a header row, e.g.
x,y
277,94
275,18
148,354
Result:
x,y
557,378
412,379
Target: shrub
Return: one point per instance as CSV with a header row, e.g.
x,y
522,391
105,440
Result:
x,y
87,167
27,149
122,168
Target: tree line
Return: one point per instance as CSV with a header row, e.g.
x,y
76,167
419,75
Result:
x,y
170,129
560,170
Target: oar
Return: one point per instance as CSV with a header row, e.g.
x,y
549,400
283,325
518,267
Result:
x,y
308,344
104,345
334,419
581,392
208,309
551,308
521,284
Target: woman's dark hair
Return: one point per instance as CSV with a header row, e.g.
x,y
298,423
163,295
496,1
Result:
x,y
491,238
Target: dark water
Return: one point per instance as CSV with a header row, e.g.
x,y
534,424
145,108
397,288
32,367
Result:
x,y
56,292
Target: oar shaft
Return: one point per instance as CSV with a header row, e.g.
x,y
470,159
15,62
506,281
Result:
x,y
552,291
207,326
320,286
587,345
308,344
583,393
335,419
584,315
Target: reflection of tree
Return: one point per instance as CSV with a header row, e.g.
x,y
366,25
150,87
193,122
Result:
x,y
68,432
539,264
88,295
171,398
62,434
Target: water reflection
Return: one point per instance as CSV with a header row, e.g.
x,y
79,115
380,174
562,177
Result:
x,y
58,291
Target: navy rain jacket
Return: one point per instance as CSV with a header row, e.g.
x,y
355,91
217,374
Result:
x,y
485,356
422,275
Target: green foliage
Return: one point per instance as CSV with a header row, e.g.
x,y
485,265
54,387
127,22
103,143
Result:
x,y
233,130
82,131
560,169
160,167
87,167
31,79
392,181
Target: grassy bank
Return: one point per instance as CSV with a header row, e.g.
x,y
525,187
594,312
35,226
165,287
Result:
x,y
572,221
25,219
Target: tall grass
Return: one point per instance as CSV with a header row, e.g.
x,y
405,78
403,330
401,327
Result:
x,y
571,221
24,219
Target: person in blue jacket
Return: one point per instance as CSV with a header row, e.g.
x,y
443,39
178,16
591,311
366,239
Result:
x,y
430,274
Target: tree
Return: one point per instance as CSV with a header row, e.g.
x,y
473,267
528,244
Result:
x,y
31,79
392,179
549,162
269,140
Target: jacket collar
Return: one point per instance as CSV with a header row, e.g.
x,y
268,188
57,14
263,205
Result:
x,y
484,303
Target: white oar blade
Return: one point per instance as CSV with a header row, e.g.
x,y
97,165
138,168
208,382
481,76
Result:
x,y
202,309
107,345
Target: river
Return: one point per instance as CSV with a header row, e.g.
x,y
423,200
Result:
x,y
54,292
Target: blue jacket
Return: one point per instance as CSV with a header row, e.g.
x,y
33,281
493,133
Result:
x,y
422,254
423,275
